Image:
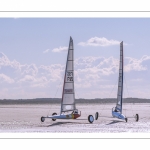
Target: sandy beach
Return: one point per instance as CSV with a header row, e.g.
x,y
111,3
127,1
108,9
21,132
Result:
x,y
26,118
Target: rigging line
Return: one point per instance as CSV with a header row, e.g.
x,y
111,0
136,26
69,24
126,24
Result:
x,y
76,93
57,89
128,95
112,89
78,97
108,97
55,94
61,76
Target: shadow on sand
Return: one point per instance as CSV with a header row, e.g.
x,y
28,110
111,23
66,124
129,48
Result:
x,y
60,123
114,121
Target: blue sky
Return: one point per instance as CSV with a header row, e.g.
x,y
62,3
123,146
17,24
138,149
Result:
x,y
34,51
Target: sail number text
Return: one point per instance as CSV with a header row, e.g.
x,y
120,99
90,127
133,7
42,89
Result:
x,y
69,76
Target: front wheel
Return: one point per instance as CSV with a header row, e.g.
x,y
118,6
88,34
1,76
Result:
x,y
136,117
42,119
53,115
90,118
96,116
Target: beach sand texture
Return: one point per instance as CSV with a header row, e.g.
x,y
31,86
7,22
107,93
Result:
x,y
26,118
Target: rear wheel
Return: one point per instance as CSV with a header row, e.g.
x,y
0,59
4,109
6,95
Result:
x,y
136,117
126,119
96,116
90,118
42,119
53,115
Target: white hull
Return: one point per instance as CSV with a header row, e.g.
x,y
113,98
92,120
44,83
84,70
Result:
x,y
70,116
62,116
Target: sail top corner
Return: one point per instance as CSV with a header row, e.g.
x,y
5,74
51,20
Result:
x,y
70,38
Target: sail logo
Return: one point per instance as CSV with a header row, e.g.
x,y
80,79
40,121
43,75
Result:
x,y
68,90
69,76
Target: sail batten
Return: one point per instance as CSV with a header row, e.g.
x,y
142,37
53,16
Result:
x,y
120,81
68,94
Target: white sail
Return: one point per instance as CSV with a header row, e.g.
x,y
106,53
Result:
x,y
120,81
68,98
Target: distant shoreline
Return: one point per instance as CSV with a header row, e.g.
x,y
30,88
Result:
x,y
58,100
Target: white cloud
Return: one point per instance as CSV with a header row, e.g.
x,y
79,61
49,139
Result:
x,y
60,49
5,78
136,64
46,51
40,82
30,69
97,41
53,72
85,85
96,65
28,78
34,81
92,75
100,73
5,62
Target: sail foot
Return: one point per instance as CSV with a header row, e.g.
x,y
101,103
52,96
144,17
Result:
x,y
68,107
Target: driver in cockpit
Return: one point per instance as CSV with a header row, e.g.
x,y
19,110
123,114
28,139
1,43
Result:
x,y
75,112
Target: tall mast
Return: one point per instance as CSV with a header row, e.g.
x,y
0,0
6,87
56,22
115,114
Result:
x,y
120,81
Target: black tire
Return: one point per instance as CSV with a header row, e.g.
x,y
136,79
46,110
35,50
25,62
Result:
x,y
96,115
53,115
126,119
42,119
136,117
90,119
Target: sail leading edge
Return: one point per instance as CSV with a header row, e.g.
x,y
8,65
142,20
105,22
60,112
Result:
x,y
120,81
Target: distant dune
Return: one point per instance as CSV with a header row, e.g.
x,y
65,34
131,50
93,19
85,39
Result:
x,y
58,100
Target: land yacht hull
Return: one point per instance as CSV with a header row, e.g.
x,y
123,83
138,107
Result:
x,y
118,115
62,116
